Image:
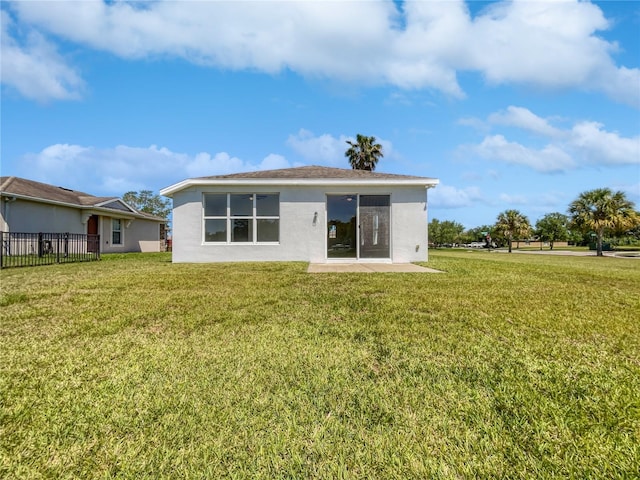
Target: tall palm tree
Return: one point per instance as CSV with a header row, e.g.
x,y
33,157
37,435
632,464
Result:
x,y
601,211
364,153
512,224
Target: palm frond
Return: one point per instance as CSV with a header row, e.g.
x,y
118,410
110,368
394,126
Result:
x,y
364,153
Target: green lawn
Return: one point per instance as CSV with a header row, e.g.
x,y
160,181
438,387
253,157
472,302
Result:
x,y
507,366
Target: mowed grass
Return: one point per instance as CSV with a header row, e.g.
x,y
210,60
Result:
x,y
505,366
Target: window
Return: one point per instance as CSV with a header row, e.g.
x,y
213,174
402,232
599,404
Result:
x,y
241,217
116,231
215,214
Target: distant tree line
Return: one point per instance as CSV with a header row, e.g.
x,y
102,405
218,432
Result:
x,y
592,216
595,216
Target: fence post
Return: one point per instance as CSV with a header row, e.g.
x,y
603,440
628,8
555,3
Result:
x,y
2,250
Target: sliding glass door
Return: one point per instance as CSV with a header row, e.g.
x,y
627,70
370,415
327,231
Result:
x,y
342,211
375,224
358,226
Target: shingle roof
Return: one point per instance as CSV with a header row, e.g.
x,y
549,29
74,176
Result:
x,y
313,172
309,175
44,191
50,193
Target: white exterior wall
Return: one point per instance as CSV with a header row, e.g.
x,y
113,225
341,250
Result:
x,y
34,217
138,235
300,238
409,225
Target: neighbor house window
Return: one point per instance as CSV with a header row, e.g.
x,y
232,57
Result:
x,y
241,217
116,231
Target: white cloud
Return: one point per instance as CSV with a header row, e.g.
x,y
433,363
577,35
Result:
x,y
327,149
601,147
543,43
62,153
273,162
324,148
425,46
621,83
203,164
34,68
475,123
548,159
586,143
114,171
525,119
446,196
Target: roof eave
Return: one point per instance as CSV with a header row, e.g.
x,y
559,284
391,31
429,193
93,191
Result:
x,y
409,182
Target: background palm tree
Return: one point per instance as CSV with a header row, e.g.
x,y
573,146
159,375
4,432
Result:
x,y
512,224
364,153
601,211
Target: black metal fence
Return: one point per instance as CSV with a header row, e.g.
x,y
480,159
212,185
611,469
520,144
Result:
x,y
31,249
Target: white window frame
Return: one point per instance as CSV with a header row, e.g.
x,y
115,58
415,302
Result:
x,y
121,231
229,219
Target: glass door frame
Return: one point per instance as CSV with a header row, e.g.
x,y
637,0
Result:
x,y
357,257
374,227
341,231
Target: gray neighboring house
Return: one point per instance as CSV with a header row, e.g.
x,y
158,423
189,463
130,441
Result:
x,y
313,214
31,207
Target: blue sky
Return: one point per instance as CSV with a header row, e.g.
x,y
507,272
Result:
x,y
510,104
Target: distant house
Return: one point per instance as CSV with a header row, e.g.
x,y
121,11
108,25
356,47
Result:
x,y
314,214
31,207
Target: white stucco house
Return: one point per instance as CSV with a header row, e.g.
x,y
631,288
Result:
x,y
314,214
28,206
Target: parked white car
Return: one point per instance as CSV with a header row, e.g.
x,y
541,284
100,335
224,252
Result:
x,y
477,244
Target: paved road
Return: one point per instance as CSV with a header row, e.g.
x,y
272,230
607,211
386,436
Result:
x,y
588,253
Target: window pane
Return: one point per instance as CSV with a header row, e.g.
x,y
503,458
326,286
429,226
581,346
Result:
x,y
268,230
241,205
267,205
242,230
116,231
215,230
215,205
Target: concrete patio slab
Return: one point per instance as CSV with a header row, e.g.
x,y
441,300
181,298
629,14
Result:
x,y
368,268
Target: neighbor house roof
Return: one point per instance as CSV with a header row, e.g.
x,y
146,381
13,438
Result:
x,y
309,175
43,192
